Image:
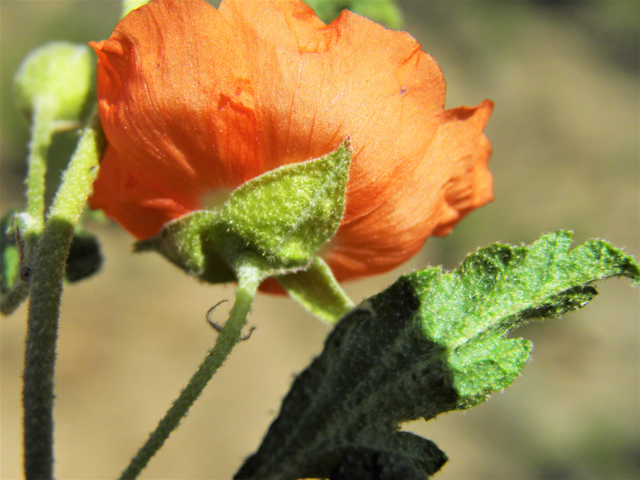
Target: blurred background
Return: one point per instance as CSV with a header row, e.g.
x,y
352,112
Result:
x,y
564,76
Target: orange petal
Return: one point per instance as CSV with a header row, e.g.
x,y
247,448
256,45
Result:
x,y
164,79
139,206
451,180
461,143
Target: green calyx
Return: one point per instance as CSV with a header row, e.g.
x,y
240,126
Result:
x,y
189,243
276,223
430,343
287,214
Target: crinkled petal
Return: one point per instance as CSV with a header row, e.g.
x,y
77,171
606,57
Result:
x,y
470,185
451,180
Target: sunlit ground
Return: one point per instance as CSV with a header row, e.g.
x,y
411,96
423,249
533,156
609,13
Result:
x,y
565,131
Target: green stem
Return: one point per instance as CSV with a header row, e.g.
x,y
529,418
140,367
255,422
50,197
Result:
x,y
40,352
78,178
318,291
42,128
46,276
11,300
248,281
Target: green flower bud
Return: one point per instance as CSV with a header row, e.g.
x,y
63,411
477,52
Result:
x,y
58,74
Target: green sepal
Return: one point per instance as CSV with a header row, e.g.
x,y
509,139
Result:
x,y
430,343
276,222
288,213
186,242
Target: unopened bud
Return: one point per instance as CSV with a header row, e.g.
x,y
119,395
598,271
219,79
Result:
x,y
58,73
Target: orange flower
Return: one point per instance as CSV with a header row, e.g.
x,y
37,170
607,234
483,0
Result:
x,y
195,101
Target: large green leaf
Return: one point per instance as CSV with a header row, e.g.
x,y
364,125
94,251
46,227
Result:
x,y
430,343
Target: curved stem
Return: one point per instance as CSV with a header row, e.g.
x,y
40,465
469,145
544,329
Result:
x,y
248,281
11,300
46,275
42,129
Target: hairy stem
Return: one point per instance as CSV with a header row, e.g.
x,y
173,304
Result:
x,y
11,300
45,275
248,281
42,129
40,352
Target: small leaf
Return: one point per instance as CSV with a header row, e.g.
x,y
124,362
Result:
x,y
428,344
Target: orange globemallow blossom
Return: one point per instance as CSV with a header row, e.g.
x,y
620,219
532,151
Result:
x,y
196,101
